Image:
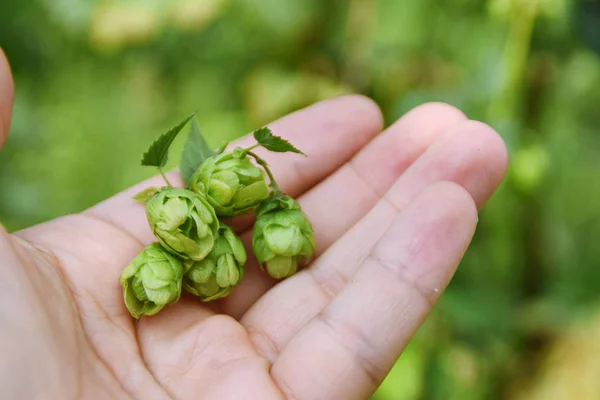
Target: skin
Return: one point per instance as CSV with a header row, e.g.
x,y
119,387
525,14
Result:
x,y
393,213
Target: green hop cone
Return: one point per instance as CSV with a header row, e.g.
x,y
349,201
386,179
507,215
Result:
x,y
183,221
282,236
216,275
151,281
232,183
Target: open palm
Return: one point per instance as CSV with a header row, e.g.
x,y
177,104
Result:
x,y
393,213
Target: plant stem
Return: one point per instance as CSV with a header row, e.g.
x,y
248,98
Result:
x,y
362,16
254,146
164,177
265,166
514,60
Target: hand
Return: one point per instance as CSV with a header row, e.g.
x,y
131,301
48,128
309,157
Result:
x,y
393,214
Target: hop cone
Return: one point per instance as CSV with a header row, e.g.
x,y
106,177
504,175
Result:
x,y
220,271
282,236
151,281
183,222
232,184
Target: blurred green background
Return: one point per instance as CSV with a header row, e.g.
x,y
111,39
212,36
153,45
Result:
x,y
97,81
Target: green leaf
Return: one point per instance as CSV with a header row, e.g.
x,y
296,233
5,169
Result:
x,y
158,153
195,151
266,139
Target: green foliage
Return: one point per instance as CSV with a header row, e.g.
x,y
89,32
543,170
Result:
x,y
158,153
266,139
95,84
196,150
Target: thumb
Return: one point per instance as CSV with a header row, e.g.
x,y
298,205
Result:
x,y
6,97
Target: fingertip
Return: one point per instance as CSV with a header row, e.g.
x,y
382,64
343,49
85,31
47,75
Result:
x,y
453,199
496,147
440,108
6,96
351,121
455,216
362,108
5,73
6,82
331,131
388,156
489,154
433,114
425,123
427,240
442,216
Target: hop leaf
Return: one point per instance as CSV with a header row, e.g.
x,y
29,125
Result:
x,y
157,154
266,139
195,151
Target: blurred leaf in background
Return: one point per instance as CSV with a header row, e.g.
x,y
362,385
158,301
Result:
x,y
98,81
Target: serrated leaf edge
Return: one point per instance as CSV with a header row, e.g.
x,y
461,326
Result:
x,y
164,156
